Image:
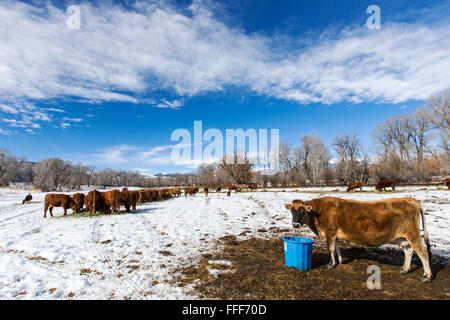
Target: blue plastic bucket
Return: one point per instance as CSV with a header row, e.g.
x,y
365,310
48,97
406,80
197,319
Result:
x,y
298,252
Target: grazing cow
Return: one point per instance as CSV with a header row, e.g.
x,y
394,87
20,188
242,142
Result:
x,y
218,189
252,186
147,195
27,198
176,192
190,191
58,200
94,201
354,185
125,199
366,223
228,193
206,191
134,199
447,182
383,184
79,200
232,187
112,200
164,194
125,189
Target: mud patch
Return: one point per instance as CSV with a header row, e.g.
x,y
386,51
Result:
x,y
258,272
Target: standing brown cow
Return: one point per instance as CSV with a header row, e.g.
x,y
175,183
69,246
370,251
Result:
x,y
27,198
58,200
447,182
366,223
112,200
232,187
134,197
218,189
94,201
206,191
383,184
354,185
190,191
125,199
252,186
79,200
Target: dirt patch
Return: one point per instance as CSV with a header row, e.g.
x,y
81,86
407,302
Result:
x,y
88,271
258,272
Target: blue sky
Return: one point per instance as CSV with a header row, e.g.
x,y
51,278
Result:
x,y
111,93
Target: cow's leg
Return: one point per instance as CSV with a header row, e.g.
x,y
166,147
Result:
x,y
408,250
338,252
418,247
45,210
331,243
51,210
65,210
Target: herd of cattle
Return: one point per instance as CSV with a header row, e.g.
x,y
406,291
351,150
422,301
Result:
x,y
395,220
383,184
110,201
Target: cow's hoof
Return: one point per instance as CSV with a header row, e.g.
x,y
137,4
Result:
x,y
425,279
404,271
331,266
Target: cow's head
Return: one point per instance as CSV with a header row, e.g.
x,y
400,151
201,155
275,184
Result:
x,y
298,209
73,205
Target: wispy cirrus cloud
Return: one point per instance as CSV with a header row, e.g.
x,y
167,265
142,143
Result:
x,y
123,55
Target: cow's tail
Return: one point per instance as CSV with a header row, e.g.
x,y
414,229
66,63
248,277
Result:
x,y
425,235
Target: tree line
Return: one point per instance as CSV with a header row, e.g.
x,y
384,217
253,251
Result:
x,y
409,148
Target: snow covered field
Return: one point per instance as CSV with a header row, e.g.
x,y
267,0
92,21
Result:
x,y
134,255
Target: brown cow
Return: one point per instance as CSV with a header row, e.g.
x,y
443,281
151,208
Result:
x,y
147,195
190,191
366,223
206,191
383,184
125,199
228,193
354,185
447,182
232,187
95,201
58,200
176,192
27,198
252,186
218,189
112,200
134,197
79,200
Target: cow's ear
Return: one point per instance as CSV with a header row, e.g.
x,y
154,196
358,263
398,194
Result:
x,y
288,206
307,207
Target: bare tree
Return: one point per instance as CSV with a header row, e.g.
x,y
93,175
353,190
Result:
x,y
238,167
351,158
10,167
439,110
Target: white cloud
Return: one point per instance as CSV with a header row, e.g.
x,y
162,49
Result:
x,y
120,55
175,104
5,132
114,154
72,119
55,110
8,109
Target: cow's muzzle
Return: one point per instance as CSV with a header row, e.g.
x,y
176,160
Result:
x,y
295,224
